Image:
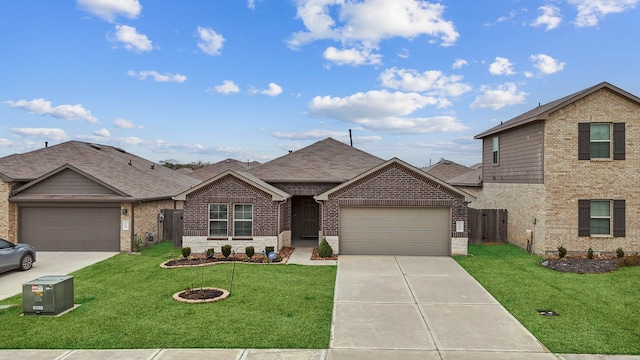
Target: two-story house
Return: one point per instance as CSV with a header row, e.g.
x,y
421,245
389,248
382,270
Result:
x,y
568,172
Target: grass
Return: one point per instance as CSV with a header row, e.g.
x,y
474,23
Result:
x,y
598,312
126,302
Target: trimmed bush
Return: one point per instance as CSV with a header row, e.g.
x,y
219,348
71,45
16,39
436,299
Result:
x,y
210,252
226,251
562,252
249,250
324,249
268,249
186,251
590,253
619,253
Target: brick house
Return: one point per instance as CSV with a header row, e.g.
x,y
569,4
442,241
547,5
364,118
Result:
x,y
78,196
359,203
567,172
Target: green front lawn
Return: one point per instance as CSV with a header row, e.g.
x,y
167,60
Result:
x,y
599,313
126,302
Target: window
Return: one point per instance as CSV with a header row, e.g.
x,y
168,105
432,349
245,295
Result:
x,y
600,140
242,220
600,217
496,149
218,220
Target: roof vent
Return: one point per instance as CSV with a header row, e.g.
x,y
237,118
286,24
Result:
x,y
95,146
120,149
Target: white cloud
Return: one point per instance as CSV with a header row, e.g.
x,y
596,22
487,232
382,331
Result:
x,y
321,134
45,133
131,39
384,111
210,41
227,87
512,14
362,25
251,4
503,95
103,133
433,82
43,107
351,56
550,17
590,12
109,9
166,77
459,63
273,90
501,66
125,124
546,64
6,142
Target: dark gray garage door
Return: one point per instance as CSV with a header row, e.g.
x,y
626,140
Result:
x,y
395,231
82,227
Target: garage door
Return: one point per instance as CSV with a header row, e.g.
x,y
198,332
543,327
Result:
x,y
71,228
395,231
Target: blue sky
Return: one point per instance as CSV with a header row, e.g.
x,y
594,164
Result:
x,y
197,80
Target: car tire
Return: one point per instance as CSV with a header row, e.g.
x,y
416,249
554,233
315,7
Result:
x,y
26,262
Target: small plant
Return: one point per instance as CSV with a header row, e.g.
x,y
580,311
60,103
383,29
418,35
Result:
x,y
210,253
249,250
590,253
619,253
226,251
186,251
268,250
138,242
630,260
562,252
324,249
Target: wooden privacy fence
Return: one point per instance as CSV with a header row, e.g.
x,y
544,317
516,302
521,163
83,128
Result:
x,y
172,227
487,225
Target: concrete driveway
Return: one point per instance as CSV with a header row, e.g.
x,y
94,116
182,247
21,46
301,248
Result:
x,y
421,308
49,263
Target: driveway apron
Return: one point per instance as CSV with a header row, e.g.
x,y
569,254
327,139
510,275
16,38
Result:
x,y
427,307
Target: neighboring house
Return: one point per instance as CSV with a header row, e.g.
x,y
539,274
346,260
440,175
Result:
x,y
446,169
567,172
211,170
79,196
359,203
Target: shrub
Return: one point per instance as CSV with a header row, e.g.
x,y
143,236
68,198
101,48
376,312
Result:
x,y
268,249
631,260
186,251
226,251
324,249
249,250
210,253
619,253
562,252
590,253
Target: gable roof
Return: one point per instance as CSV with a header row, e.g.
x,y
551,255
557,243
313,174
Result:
x,y
328,160
325,196
472,178
276,194
211,170
446,169
141,179
542,112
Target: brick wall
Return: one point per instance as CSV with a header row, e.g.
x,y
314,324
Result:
x,y
5,218
298,189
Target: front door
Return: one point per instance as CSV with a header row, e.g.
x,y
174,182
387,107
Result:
x,y
304,218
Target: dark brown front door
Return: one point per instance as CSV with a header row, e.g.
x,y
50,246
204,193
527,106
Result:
x,y
304,218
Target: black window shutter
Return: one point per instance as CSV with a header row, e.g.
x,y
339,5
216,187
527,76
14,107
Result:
x,y
618,141
584,217
619,218
584,141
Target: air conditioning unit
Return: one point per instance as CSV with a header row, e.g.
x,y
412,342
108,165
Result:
x,y
47,295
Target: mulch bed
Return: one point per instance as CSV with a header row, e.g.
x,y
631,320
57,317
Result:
x,y
315,256
200,294
200,259
582,264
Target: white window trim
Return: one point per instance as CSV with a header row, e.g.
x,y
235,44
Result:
x,y
609,141
495,150
235,219
217,220
610,217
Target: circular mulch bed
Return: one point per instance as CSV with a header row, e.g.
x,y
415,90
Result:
x,y
201,295
201,260
582,264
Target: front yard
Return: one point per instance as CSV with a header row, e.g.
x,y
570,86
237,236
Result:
x,y
126,302
598,312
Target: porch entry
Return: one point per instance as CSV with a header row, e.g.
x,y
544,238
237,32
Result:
x,y
305,218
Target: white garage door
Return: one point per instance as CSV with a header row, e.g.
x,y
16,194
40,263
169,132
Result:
x,y
395,231
84,227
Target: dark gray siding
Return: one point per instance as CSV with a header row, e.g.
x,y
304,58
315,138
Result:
x,y
521,156
67,182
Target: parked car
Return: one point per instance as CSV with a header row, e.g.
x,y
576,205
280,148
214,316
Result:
x,y
16,256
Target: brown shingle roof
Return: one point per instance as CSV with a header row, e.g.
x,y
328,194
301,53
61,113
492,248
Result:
x,y
542,112
470,178
328,160
130,174
209,171
446,169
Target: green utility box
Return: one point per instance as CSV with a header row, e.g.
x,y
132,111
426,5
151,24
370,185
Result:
x,y
47,295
